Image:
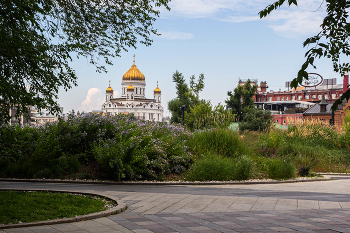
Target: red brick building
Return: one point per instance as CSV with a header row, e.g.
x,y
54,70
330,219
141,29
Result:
x,y
293,103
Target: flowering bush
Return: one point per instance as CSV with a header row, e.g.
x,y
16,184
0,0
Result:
x,y
123,148
144,150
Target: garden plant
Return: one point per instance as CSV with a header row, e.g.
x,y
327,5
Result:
x,y
121,148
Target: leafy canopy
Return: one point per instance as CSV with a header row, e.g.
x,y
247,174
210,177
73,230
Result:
x,y
241,99
39,37
330,42
186,95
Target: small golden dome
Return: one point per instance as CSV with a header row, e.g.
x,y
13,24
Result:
x,y
157,90
130,88
133,74
109,89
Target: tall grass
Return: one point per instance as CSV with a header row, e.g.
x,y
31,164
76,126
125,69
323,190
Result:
x,y
219,141
214,167
280,169
309,143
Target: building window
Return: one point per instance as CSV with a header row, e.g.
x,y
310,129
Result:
x,y
287,98
127,96
144,116
270,98
158,116
278,98
158,98
293,97
282,98
109,105
319,97
307,97
299,97
284,122
259,99
334,96
136,90
326,97
313,96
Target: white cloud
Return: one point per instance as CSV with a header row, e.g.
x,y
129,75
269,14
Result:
x,y
297,23
301,20
176,35
93,101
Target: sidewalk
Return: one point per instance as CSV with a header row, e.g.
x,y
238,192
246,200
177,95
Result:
x,y
322,206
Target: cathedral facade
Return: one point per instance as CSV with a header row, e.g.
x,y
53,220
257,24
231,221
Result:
x,y
133,98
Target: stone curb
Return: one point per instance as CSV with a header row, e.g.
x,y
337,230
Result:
x,y
335,174
168,182
115,210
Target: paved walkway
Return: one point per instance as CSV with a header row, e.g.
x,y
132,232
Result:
x,y
322,206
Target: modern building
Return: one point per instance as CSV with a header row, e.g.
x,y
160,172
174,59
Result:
x,y
133,99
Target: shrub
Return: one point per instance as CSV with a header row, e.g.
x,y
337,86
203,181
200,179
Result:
x,y
279,169
256,120
221,168
123,147
144,150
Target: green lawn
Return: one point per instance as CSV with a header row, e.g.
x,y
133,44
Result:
x,y
18,206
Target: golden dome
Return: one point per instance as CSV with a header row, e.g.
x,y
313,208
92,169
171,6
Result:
x,y
133,74
109,89
130,88
157,90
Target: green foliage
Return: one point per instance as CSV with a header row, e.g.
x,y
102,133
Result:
x,y
214,167
38,38
256,120
197,87
331,42
221,141
18,206
183,98
145,151
280,169
241,99
204,116
123,148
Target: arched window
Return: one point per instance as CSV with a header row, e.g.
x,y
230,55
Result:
x,y
136,90
109,105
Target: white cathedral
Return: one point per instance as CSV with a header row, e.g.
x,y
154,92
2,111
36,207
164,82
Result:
x,y
133,98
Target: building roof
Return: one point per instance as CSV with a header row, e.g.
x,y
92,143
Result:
x,y
109,89
133,74
316,109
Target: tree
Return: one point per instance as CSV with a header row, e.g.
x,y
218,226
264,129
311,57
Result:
x,y
185,95
241,99
197,87
39,38
256,120
330,42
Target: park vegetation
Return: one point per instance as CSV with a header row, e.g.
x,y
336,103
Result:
x,y
121,148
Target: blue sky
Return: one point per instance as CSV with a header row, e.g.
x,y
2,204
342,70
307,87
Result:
x,y
223,39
